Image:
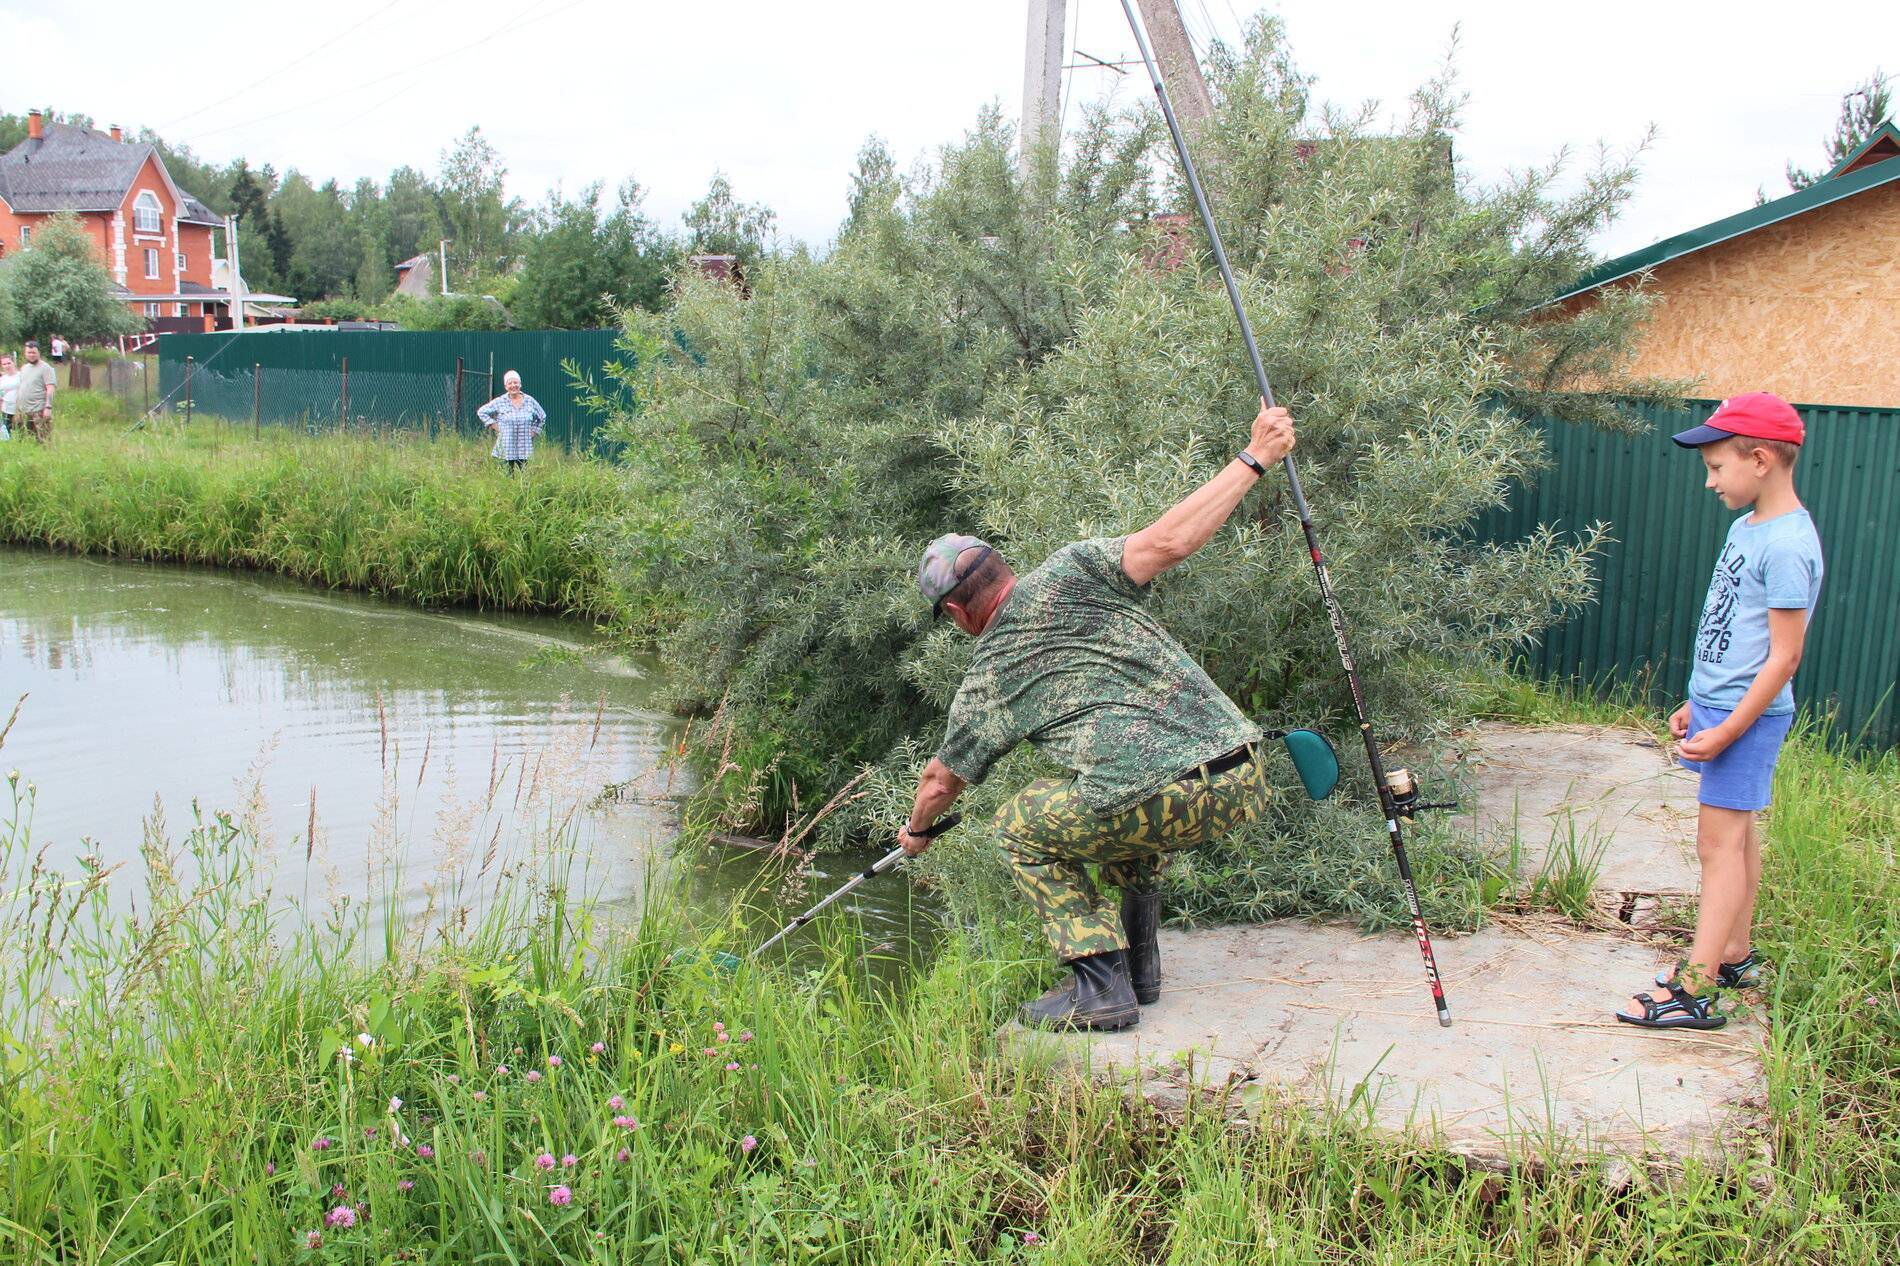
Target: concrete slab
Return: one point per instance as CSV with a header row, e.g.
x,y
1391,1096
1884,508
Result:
x,y
1615,788
1534,1067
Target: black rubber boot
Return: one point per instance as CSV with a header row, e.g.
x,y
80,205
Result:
x,y
1141,923
1097,995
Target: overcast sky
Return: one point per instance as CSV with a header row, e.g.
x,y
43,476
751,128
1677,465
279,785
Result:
x,y
781,95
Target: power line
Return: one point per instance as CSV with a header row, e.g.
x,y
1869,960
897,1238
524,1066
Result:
x,y
296,61
519,20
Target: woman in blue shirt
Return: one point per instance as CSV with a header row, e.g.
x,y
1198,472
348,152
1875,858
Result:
x,y
516,418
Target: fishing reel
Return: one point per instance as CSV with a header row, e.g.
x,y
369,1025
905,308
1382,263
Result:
x,y
1405,795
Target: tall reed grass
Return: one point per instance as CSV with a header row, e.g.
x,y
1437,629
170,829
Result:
x,y
209,1081
434,522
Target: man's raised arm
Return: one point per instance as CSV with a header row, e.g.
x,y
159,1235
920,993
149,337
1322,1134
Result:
x,y
1192,522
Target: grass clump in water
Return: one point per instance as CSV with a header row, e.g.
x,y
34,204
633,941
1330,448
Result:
x,y
431,521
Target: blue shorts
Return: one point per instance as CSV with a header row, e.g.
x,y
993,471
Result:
x,y
1743,776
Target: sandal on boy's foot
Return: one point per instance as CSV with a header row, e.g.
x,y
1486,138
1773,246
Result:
x,y
1682,1010
1745,973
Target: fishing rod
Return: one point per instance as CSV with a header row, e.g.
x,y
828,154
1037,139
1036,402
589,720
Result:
x,y
872,871
1398,793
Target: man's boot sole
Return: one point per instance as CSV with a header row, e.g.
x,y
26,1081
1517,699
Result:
x,y
1114,1022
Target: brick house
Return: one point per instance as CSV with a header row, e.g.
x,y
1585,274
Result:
x,y
1795,296
154,238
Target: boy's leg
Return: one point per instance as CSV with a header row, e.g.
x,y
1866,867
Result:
x,y
1721,842
1741,937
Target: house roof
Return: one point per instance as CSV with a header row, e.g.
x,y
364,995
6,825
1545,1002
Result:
x,y
1844,182
1883,143
74,168
412,261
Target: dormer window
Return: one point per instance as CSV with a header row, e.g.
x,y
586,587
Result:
x,y
145,212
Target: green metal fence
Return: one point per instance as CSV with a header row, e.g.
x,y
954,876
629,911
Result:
x,y
376,380
1668,531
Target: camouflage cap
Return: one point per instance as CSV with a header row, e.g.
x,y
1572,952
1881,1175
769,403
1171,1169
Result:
x,y
937,572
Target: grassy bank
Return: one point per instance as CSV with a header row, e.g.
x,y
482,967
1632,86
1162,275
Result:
x,y
432,522
192,1086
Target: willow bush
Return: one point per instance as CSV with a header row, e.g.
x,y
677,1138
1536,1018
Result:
x,y
1039,359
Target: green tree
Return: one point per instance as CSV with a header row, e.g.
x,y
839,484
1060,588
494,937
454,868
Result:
x,y
479,216
580,264
719,224
324,252
1020,361
415,216
58,283
1863,108
250,202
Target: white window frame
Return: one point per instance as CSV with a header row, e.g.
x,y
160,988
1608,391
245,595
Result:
x,y
154,309
151,263
147,202
178,258
178,309
26,236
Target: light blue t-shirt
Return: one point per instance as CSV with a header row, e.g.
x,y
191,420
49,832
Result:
x,y
1775,563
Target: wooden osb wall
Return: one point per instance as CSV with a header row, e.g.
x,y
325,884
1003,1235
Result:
x,y
1808,308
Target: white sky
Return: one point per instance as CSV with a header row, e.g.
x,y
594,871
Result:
x,y
781,95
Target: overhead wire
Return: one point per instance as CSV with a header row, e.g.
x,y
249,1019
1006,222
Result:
x,y
519,20
278,72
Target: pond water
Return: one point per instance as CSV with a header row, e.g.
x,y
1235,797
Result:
x,y
433,752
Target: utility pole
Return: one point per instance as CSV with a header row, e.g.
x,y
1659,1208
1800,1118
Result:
x,y
1042,80
1179,67
442,253
237,277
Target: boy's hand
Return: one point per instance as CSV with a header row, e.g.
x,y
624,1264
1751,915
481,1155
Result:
x,y
1679,723
1705,745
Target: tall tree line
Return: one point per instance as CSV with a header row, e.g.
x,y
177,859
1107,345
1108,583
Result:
x,y
566,263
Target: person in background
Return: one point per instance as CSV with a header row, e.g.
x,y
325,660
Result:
x,y
9,382
516,418
33,394
57,347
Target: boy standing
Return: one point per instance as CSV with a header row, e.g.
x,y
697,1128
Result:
x,y
1741,700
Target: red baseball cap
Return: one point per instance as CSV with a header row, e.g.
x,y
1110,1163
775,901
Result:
x,y
1760,415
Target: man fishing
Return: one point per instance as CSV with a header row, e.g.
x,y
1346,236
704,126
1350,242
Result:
x,y
1069,658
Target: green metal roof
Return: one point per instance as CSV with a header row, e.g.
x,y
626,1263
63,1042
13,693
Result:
x,y
1885,132
1819,194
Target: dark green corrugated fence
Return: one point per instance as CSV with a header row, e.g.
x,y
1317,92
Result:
x,y
395,379
1668,530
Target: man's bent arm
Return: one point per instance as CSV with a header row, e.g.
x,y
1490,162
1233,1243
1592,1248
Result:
x,y
937,789
1191,523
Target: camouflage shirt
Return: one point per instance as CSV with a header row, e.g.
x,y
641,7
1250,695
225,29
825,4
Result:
x,y
1074,662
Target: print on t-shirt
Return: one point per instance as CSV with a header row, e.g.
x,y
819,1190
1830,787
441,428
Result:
x,y
1718,614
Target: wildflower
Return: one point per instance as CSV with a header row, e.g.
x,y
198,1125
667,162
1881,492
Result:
x,y
598,1048
405,1185
720,1037
369,1131
322,1144
347,1055
747,1143
270,1168
517,1050
732,1068
1030,1237
623,1156
395,1105
342,1215
455,1079
746,1036
313,1239
569,1161
677,1049
544,1161
337,1192
534,1074
616,1103
478,1156
711,1051
719,1026
424,1151
560,1196
554,1061
480,1096
364,1040
626,1123
501,1070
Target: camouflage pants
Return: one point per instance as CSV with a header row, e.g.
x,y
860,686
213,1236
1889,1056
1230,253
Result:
x,y
1050,837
